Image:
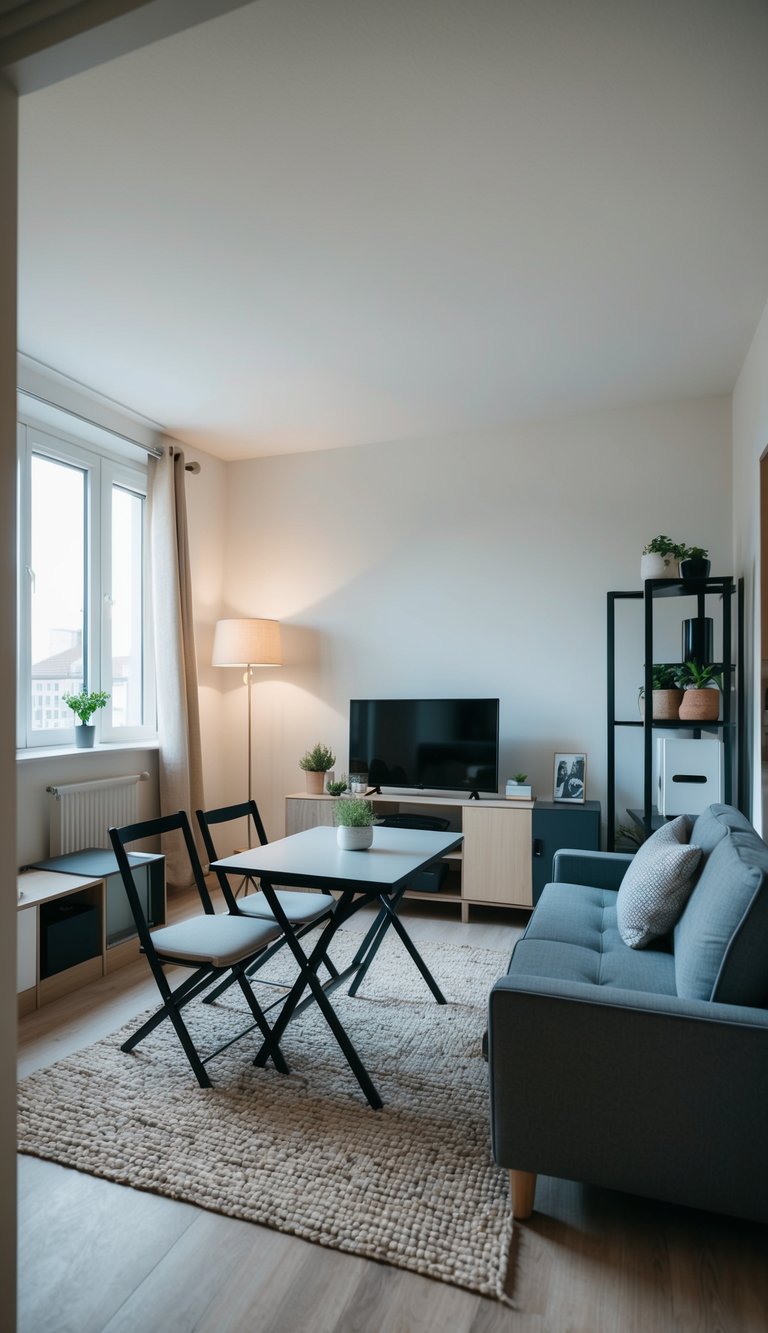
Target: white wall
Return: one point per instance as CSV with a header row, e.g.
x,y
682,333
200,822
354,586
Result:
x,y
750,441
473,564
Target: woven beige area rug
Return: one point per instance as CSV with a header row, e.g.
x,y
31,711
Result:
x,y
413,1184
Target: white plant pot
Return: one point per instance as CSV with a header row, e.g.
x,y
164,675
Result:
x,y
653,566
357,839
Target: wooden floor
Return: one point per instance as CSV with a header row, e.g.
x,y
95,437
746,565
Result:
x,y
96,1256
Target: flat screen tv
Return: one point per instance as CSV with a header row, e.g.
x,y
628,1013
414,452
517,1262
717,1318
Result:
x,y
443,744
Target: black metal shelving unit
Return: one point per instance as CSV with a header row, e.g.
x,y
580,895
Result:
x,y
730,726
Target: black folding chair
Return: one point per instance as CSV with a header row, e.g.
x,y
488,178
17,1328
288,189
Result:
x,y
430,880
212,945
302,910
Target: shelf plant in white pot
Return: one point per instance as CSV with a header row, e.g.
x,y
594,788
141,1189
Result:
x,y
660,559
354,819
518,788
84,705
316,763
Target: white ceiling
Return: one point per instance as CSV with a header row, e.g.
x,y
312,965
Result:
x,y
317,223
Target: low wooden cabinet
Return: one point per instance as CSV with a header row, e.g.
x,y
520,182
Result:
x,y
507,847
492,868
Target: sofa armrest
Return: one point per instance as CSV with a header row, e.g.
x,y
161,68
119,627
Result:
x,y
602,870
644,1093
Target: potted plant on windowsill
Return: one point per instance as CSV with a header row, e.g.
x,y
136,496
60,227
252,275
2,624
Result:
x,y
315,764
701,696
354,819
667,692
659,559
84,705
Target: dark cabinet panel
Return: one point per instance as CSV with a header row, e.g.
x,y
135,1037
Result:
x,y
558,825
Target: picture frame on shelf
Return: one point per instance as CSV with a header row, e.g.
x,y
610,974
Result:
x,y
570,778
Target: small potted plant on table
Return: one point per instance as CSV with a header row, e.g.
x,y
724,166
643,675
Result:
x,y
315,764
84,705
518,788
354,819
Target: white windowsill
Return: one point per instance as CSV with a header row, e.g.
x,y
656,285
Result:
x,y
108,747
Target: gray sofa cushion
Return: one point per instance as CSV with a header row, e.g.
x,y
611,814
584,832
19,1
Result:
x,y
573,936
657,884
721,940
715,823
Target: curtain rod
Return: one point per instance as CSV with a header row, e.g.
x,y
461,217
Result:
x,y
88,421
155,451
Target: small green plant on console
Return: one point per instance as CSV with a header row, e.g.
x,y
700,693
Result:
x,y
337,786
520,777
317,760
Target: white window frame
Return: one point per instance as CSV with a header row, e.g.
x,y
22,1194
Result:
x,y
103,470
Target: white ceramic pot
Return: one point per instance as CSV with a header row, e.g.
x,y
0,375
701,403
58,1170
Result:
x,y
654,566
356,839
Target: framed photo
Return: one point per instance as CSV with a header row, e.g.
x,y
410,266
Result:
x,y
570,778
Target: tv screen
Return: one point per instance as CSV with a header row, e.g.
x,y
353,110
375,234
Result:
x,y
449,744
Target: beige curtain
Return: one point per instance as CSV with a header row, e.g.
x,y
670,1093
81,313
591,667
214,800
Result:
x,y
178,713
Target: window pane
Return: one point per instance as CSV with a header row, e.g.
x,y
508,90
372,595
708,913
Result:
x,y
58,590
127,608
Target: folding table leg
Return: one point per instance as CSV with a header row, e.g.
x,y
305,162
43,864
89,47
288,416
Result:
x,y
308,978
379,929
413,951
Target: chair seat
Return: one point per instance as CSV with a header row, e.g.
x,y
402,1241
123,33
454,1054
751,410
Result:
x,y
218,940
298,907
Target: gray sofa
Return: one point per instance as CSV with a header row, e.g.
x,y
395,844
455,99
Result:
x,y
643,1070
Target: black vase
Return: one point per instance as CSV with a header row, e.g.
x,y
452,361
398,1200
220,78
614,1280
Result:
x,y
697,640
695,568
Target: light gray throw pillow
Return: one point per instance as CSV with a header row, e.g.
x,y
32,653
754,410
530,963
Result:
x,y
657,884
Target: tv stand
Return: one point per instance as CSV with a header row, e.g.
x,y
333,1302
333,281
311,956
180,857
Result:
x,y
506,856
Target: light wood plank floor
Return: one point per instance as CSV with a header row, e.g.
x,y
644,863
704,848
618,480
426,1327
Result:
x,y
102,1258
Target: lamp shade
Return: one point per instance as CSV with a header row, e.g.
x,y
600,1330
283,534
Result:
x,y
247,643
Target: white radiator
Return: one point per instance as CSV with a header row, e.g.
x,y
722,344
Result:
x,y
82,812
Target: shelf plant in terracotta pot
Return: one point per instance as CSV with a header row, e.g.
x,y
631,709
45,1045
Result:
x,y
659,559
315,764
84,705
667,692
694,562
701,694
354,819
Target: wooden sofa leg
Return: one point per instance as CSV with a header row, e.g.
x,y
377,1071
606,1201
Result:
x,y
523,1185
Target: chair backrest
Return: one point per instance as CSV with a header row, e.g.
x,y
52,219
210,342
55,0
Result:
x,y
151,828
247,810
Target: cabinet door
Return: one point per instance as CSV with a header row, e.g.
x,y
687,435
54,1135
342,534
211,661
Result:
x,y
557,826
496,865
303,813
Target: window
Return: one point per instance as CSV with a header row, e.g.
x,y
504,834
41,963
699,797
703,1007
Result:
x,y
82,590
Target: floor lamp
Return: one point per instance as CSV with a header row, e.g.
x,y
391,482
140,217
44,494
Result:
x,y
247,643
